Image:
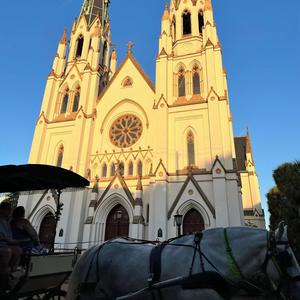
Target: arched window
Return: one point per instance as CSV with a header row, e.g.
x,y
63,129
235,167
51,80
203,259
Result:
x,y
174,29
196,81
191,148
79,49
60,156
186,22
130,169
181,83
104,170
200,21
140,168
121,169
76,101
64,104
112,170
104,53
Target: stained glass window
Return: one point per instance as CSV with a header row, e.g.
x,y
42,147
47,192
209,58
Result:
x,y
126,131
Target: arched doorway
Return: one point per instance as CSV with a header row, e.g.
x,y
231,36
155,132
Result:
x,y
117,223
46,232
193,222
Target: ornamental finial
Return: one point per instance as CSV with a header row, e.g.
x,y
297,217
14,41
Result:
x,y
130,46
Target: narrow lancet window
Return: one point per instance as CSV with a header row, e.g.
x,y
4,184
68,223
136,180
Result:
x,y
112,170
121,169
174,29
79,46
140,168
130,169
186,22
196,81
104,53
181,83
104,170
60,156
200,21
191,148
76,101
64,105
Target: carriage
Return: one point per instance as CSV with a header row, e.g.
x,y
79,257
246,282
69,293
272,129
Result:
x,y
45,274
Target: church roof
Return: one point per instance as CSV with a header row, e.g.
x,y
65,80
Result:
x,y
241,151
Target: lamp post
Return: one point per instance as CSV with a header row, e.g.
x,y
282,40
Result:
x,y
178,220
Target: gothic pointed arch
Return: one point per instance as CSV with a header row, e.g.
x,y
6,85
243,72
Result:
x,y
104,170
181,82
122,168
60,156
193,222
79,46
186,22
47,229
112,169
104,53
65,102
190,142
117,223
196,73
76,100
139,168
200,21
130,168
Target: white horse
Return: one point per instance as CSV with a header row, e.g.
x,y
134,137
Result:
x,y
250,262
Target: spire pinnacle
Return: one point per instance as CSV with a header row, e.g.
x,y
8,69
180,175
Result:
x,y
139,186
93,8
248,142
207,5
63,39
166,14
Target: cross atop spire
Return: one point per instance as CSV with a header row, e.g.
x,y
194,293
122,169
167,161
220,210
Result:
x,y
130,46
93,8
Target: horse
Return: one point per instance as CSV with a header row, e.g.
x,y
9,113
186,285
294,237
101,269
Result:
x,y
217,264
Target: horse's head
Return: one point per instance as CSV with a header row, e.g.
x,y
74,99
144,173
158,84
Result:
x,y
285,263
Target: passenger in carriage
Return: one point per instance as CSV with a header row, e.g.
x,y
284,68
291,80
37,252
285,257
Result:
x,y
10,252
23,231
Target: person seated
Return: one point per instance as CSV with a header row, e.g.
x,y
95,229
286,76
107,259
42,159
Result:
x,y
10,252
23,231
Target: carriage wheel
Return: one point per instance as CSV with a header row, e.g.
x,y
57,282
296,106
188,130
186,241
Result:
x,y
56,295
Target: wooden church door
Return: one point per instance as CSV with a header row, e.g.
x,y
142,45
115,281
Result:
x,y
193,222
117,223
47,230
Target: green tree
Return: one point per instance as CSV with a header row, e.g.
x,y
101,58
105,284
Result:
x,y
284,201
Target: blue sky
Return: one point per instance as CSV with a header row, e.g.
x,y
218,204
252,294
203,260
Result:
x,y
260,39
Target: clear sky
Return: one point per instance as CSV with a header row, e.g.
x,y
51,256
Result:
x,y
260,39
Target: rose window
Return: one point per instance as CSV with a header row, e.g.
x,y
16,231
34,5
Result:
x,y
126,131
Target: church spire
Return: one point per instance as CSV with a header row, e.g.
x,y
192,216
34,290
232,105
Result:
x,y
93,8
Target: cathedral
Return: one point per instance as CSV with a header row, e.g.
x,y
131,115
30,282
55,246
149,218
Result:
x,y
150,151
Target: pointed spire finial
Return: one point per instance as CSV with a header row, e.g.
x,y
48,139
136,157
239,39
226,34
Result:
x,y
63,39
130,46
166,14
207,5
139,186
248,142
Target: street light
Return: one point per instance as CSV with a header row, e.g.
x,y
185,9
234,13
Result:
x,y
178,220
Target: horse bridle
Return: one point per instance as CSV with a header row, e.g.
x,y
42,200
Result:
x,y
281,260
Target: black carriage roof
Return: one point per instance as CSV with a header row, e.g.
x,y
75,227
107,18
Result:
x,y
38,177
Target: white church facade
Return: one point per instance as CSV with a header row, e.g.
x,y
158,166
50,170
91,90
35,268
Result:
x,y
149,151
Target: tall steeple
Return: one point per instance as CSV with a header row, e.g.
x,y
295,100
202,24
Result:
x,y
93,8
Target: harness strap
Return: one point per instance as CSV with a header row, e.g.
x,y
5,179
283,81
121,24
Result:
x,y
155,264
233,265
